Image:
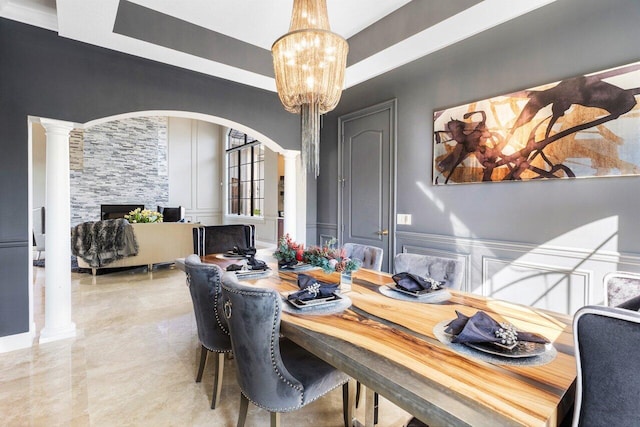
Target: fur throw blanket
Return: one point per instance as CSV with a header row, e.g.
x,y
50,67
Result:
x,y
102,242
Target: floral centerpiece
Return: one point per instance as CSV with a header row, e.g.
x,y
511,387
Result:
x,y
288,253
143,215
331,259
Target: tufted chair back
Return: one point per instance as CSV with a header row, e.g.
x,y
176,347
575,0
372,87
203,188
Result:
x,y
253,315
213,331
204,286
273,372
370,256
445,270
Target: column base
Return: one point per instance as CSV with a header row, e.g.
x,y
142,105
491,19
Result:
x,y
47,335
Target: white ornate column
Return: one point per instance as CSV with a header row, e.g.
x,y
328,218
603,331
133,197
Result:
x,y
58,324
290,192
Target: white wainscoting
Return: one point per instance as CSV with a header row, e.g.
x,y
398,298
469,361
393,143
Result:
x,y
537,285
556,278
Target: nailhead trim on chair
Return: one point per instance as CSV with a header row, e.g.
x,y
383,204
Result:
x,y
215,304
217,320
273,362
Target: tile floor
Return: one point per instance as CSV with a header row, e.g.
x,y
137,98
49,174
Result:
x,y
133,363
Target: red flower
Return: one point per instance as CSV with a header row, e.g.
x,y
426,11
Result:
x,y
299,254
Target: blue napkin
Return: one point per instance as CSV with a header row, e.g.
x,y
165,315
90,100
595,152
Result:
x,y
243,251
481,328
253,264
414,283
312,288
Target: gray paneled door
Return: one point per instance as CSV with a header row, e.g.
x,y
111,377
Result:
x,y
367,178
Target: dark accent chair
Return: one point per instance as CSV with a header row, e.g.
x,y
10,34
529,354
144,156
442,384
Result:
x,y
369,256
272,371
449,271
213,332
172,214
607,357
215,239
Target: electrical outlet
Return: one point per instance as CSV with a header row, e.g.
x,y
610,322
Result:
x,y
404,219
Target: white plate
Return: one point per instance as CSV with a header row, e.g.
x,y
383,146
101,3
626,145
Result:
x,y
318,302
250,274
417,294
230,256
430,298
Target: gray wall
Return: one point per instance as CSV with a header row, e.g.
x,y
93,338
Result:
x,y
564,39
44,75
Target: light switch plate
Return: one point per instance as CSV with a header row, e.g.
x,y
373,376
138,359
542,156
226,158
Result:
x,y
403,219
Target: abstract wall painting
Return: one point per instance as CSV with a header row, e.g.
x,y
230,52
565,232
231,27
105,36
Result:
x,y
585,126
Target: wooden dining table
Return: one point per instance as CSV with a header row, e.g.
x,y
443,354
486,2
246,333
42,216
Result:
x,y
389,346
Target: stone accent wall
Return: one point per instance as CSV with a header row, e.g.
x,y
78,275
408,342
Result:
x,y
122,162
76,157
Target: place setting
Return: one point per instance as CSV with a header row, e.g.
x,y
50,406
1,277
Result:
x,y
415,288
315,297
249,267
237,253
484,338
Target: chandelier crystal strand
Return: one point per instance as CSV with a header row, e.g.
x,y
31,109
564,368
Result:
x,y
309,63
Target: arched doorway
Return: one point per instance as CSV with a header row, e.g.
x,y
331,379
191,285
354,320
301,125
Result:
x,y
58,304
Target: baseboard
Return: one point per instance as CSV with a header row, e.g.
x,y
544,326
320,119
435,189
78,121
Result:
x,y
18,341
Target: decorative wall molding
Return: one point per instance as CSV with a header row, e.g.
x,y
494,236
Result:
x,y
549,276
548,250
547,286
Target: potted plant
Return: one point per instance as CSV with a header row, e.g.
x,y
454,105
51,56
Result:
x,y
143,216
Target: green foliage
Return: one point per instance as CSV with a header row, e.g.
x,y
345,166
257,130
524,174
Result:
x,y
143,215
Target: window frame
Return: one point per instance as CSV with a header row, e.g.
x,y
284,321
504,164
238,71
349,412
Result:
x,y
254,183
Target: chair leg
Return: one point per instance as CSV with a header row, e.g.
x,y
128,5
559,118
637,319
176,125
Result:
x,y
358,393
217,379
348,402
242,413
203,361
376,401
275,419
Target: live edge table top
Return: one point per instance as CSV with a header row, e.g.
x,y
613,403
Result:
x,y
389,345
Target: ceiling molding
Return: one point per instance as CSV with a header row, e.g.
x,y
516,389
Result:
x,y
402,31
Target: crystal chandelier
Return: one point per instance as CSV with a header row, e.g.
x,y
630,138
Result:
x,y
309,63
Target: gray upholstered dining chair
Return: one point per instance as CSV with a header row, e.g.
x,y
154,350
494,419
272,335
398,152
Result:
x,y
213,333
620,286
272,371
446,270
369,256
607,357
